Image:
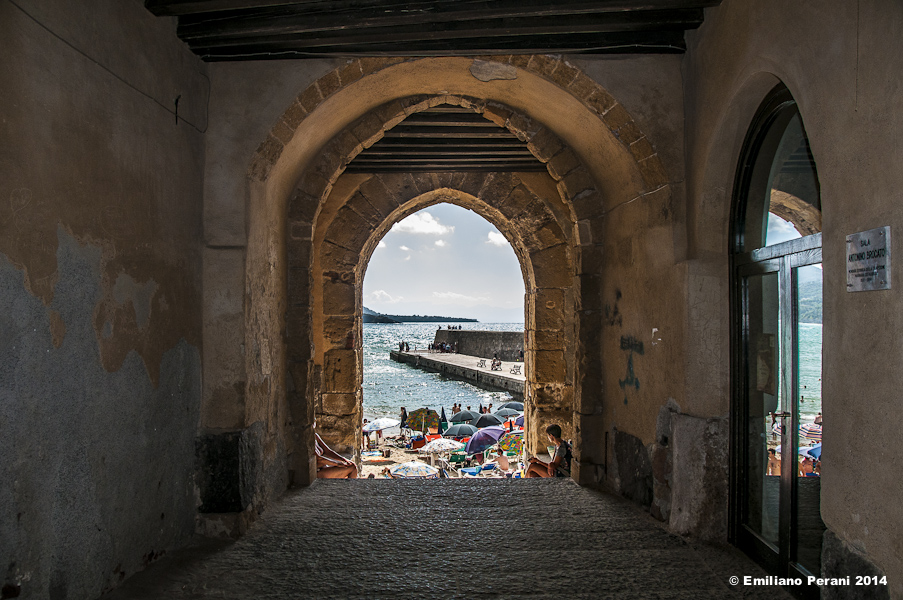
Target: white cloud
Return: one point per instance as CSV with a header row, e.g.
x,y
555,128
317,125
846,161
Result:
x,y
408,257
422,223
441,243
405,248
383,296
456,298
381,244
496,239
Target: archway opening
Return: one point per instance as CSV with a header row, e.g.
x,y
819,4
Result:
x,y
443,291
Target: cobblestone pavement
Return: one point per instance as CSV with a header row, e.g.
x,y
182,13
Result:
x,y
449,539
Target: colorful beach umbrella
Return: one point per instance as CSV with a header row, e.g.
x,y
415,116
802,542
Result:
x,y
484,438
465,416
460,430
486,421
518,406
512,442
414,470
380,424
423,418
811,431
442,445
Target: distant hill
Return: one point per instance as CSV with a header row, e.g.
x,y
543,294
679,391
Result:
x,y
371,316
810,295
429,319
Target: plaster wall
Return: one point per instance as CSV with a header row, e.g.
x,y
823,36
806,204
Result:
x,y
101,190
848,89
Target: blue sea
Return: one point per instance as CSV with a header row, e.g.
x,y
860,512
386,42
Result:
x,y
389,385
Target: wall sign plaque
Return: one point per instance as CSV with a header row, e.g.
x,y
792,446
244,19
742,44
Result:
x,y
868,260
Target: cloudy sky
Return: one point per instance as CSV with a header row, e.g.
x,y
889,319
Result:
x,y
449,261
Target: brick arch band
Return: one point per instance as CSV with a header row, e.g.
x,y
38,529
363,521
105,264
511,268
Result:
x,y
551,67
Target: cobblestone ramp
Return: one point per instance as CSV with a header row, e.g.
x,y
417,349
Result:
x,y
449,539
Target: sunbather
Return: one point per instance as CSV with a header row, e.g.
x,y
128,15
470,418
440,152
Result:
x,y
331,464
561,462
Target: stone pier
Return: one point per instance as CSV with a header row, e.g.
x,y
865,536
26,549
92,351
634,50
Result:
x,y
465,368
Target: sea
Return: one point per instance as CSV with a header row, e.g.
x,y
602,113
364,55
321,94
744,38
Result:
x,y
389,385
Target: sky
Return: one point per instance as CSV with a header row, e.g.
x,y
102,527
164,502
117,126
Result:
x,y
445,260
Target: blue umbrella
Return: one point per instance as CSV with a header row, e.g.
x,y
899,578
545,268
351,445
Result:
x,y
812,452
519,421
484,438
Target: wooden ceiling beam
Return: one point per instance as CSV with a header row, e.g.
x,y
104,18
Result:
x,y
178,8
661,42
442,168
329,27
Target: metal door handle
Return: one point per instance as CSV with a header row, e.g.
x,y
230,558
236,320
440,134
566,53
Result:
x,y
782,414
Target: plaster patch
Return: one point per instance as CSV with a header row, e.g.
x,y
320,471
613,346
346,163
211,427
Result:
x,y
485,70
140,294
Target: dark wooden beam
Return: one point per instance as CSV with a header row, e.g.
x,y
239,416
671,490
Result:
x,y
211,7
403,26
610,43
443,168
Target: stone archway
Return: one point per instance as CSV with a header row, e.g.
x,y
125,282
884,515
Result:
x,y
340,219
595,155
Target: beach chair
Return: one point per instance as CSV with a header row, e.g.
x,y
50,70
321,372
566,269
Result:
x,y
515,370
457,458
482,363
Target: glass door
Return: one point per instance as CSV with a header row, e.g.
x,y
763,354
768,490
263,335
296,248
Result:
x,y
780,424
776,419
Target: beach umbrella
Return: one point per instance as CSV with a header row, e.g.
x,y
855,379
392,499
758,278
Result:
x,y
484,438
460,430
486,421
414,470
811,431
465,416
812,451
379,424
442,445
442,420
519,421
518,406
423,418
505,412
777,428
512,442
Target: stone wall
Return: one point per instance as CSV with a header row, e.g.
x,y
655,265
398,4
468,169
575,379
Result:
x,y
508,345
100,196
839,64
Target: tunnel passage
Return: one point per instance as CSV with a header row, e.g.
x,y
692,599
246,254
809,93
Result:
x,y
303,335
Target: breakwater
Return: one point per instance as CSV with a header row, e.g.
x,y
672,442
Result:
x,y
508,345
466,368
